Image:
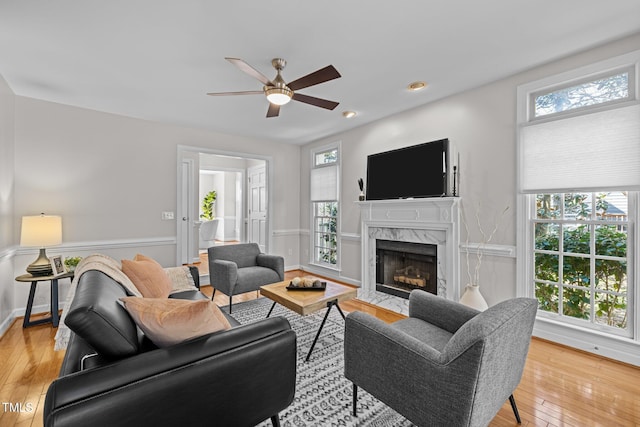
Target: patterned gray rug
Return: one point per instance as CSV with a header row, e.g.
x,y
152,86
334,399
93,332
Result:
x,y
323,395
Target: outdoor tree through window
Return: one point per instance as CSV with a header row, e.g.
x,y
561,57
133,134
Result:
x,y
581,256
324,196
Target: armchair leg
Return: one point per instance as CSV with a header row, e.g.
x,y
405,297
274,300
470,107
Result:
x,y
512,400
355,399
275,420
230,303
214,294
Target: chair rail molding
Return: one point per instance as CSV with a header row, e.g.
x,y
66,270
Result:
x,y
106,244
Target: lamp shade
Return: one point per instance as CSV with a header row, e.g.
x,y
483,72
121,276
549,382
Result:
x,y
41,231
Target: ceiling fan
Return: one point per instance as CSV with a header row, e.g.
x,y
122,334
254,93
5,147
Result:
x,y
278,92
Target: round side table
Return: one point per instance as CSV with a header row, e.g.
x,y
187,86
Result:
x,y
55,317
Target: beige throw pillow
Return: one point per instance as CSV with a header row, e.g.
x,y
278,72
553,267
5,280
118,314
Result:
x,y
170,321
148,276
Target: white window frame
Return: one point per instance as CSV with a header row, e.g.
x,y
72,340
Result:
x,y
312,231
626,349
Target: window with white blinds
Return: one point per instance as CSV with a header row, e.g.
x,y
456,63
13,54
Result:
x,y
324,195
596,150
578,184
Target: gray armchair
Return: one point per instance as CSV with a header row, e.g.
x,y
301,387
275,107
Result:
x,y
446,364
236,269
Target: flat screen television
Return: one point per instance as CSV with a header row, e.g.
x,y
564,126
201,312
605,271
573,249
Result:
x,y
411,172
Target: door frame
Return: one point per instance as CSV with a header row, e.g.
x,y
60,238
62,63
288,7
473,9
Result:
x,y
187,151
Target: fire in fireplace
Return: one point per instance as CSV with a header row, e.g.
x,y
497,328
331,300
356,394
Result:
x,y
404,266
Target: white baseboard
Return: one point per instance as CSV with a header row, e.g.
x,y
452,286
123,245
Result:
x,y
20,312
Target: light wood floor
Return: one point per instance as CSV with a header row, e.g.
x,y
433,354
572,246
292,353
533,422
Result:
x,y
560,386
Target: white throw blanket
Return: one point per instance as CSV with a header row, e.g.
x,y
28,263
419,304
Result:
x,y
98,262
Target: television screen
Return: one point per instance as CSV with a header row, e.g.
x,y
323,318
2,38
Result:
x,y
416,171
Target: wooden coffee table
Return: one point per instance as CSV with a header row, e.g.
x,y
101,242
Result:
x,y
306,302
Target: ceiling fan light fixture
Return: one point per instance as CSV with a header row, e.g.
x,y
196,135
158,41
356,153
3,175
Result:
x,y
278,95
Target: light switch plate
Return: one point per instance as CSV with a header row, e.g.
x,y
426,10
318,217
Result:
x,y
166,216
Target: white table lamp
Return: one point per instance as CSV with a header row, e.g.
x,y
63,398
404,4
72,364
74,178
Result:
x,y
41,231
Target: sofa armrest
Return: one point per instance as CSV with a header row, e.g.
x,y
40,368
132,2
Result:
x,y
274,262
223,275
441,312
242,376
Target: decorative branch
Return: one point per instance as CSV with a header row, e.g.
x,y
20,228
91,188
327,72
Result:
x,y
475,280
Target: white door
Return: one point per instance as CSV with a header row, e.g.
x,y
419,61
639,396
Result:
x,y
184,220
257,185
189,225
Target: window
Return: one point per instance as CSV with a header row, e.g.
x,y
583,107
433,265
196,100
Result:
x,y
613,87
325,207
579,182
580,258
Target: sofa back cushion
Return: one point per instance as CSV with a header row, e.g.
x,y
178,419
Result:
x,y
243,254
97,316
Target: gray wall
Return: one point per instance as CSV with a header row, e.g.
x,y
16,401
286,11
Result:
x,y
7,240
110,177
482,124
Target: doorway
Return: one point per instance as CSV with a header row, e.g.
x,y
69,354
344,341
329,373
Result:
x,y
241,208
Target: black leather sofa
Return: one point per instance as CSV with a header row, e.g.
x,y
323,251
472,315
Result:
x,y
238,377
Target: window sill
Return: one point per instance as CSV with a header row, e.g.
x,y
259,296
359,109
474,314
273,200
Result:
x,y
325,267
611,346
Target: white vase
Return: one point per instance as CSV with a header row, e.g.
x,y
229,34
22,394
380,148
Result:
x,y
473,298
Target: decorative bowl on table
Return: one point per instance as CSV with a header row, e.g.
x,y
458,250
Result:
x,y
306,284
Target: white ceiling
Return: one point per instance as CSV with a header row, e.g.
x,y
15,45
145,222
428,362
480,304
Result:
x,y
155,60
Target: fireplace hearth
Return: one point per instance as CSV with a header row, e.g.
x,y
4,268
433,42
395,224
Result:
x,y
404,266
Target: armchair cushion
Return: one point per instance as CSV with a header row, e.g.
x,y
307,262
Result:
x,y
251,278
424,332
167,322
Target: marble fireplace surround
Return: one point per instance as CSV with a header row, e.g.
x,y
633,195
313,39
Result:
x,y
434,221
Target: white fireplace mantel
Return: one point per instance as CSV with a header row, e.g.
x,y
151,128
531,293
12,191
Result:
x,y
429,220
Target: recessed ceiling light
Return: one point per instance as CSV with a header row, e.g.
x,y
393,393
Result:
x,y
416,86
349,114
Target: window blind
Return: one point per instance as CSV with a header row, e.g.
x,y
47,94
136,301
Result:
x,y
596,151
324,183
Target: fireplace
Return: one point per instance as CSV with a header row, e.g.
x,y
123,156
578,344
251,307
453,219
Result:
x,y
404,266
432,222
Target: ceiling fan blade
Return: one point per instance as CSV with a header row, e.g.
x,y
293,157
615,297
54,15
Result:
x,y
323,75
318,102
244,92
249,70
273,111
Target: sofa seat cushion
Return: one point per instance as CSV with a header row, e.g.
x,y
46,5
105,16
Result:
x,y
99,319
250,278
169,321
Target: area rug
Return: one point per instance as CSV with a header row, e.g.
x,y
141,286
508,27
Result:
x,y
323,395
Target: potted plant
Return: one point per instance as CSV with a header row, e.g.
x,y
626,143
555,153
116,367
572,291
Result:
x,y
207,205
210,222
72,262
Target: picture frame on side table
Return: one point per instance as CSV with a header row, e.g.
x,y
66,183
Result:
x,y
57,265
